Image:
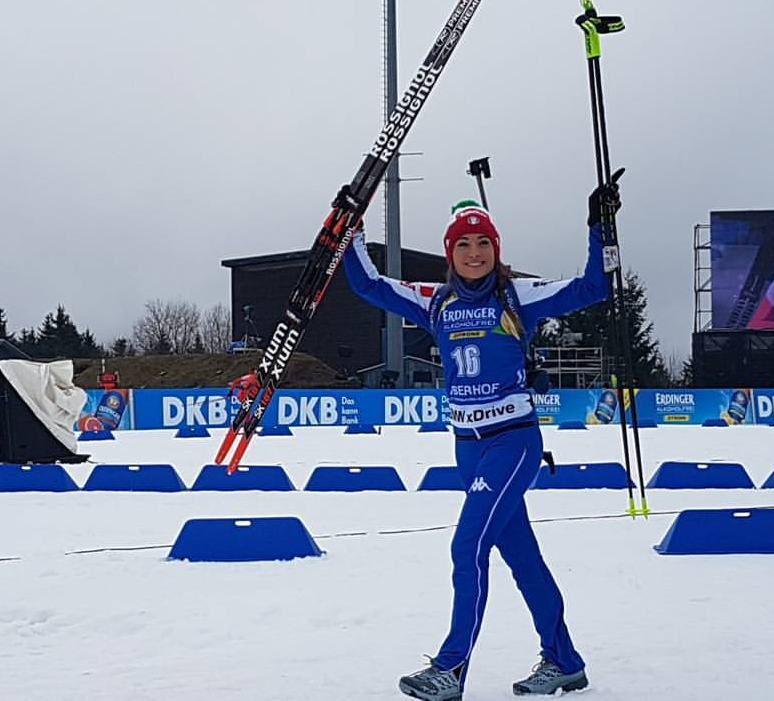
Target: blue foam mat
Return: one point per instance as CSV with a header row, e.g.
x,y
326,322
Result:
x,y
35,477
275,431
325,478
601,475
268,478
438,427
692,475
195,431
720,532
353,429
102,434
243,540
572,426
134,478
441,478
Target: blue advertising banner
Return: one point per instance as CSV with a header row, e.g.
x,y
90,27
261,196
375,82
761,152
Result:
x,y
764,406
592,406
209,407
157,408
685,406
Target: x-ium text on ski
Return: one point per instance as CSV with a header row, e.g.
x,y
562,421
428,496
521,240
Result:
x,y
273,361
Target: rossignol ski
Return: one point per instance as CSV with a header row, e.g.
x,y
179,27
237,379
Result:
x,y
622,379
336,233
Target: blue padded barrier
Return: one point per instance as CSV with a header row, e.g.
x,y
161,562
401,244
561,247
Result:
x,y
267,478
720,532
194,431
102,434
717,423
438,427
35,478
769,483
600,475
646,423
243,540
572,426
353,429
325,478
441,478
275,431
708,475
134,478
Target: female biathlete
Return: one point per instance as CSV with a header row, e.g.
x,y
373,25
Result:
x,y
482,320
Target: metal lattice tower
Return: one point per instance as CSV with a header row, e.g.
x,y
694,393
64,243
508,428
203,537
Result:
x,y
702,277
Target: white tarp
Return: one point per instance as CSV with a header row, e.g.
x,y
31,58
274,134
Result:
x,y
48,390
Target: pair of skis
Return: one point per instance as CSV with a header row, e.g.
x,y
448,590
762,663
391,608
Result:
x,y
622,378
335,235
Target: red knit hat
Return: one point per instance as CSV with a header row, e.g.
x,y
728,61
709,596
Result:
x,y
470,218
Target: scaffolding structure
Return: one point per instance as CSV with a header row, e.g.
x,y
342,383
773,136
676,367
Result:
x,y
702,278
574,367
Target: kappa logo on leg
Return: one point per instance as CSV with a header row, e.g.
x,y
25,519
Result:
x,y
479,485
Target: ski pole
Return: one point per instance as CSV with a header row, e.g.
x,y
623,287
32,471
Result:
x,y
593,25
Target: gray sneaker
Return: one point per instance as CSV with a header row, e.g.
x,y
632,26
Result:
x,y
432,684
547,678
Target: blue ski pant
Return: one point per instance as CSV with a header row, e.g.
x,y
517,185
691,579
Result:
x,y
496,472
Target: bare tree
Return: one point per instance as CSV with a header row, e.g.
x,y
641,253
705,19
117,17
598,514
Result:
x,y
167,327
216,329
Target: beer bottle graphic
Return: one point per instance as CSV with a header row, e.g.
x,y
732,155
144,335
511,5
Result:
x,y
110,409
606,406
738,405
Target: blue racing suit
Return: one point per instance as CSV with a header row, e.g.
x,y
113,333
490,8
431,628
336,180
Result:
x,y
497,439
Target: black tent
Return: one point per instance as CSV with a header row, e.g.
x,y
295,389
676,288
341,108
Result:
x,y
25,434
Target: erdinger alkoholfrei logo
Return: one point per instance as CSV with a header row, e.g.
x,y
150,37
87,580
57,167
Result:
x,y
473,220
113,402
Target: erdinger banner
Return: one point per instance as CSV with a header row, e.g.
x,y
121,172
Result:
x,y
683,406
742,269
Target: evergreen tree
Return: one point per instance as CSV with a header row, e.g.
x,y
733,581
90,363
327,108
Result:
x,y
648,364
58,336
120,348
28,342
89,346
593,326
4,327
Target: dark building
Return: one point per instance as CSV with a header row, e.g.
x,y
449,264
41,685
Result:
x,y
346,332
727,358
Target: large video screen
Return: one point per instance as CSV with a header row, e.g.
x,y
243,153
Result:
x,y
742,269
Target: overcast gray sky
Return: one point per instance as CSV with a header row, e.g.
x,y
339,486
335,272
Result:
x,y
143,142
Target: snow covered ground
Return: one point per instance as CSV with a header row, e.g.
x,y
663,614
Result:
x,y
129,625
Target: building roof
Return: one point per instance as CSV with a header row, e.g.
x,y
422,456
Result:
x,y
301,256
298,257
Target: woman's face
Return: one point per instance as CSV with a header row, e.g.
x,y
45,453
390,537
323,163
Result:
x,y
473,257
